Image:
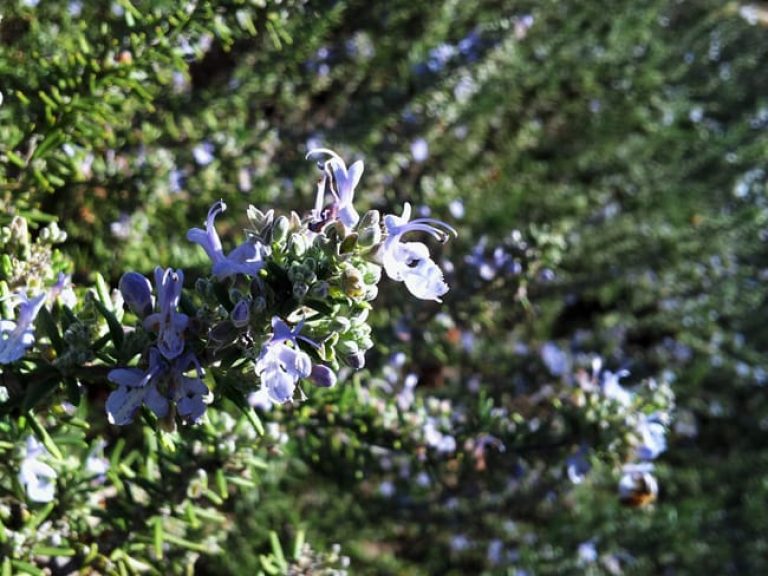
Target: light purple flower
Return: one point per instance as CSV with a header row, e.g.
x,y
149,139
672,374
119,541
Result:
x,y
248,258
189,393
410,262
17,337
37,477
343,184
282,363
168,323
137,387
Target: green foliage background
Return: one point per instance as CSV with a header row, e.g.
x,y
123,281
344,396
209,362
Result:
x,y
628,145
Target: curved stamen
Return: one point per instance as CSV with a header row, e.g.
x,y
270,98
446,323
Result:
x,y
436,233
437,223
315,151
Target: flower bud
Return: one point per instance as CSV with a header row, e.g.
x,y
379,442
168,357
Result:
x,y
241,314
260,220
298,245
259,305
340,324
347,347
223,333
348,244
6,265
356,361
323,376
300,290
369,229
280,229
319,290
202,286
352,283
19,231
137,293
370,293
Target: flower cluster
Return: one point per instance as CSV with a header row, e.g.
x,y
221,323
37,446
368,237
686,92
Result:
x,y
647,430
289,304
164,386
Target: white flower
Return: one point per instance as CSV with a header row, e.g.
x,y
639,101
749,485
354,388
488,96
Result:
x,y
409,262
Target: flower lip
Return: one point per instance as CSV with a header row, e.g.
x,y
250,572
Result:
x,y
16,337
410,262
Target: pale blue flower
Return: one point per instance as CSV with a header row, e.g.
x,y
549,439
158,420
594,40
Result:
x,y
587,552
419,150
387,489
62,291
203,153
167,322
37,477
406,396
16,337
343,184
577,466
613,390
410,262
96,465
260,399
282,363
653,437
248,258
556,360
443,443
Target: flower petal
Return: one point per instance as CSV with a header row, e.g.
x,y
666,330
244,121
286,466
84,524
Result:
x,y
123,403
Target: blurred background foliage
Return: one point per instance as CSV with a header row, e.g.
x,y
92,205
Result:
x,y
606,170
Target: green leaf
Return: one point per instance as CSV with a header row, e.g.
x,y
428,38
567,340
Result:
x,y
319,305
277,550
15,159
42,434
157,536
115,328
26,567
54,551
53,139
48,325
38,391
